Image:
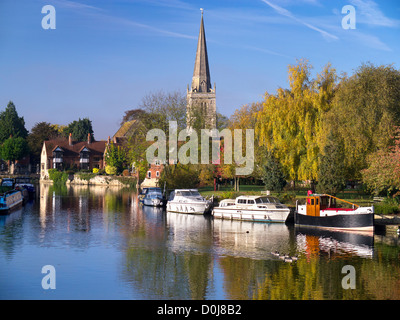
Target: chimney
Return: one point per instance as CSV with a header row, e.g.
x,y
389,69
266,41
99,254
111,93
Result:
x,y
89,138
70,139
108,140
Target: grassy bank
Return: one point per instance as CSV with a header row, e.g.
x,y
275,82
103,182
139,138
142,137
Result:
x,y
289,196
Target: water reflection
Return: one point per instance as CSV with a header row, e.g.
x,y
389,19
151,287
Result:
x,y
335,244
131,251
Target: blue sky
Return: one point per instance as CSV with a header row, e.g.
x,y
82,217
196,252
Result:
x,y
105,55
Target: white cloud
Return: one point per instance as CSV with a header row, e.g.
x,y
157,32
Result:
x,y
287,13
371,14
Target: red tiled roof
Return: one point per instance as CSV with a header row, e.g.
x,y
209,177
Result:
x,y
95,147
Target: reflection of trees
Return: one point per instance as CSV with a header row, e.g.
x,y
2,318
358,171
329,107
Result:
x,y
157,265
320,278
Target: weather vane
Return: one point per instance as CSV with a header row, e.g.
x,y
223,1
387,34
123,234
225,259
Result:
x,y
201,9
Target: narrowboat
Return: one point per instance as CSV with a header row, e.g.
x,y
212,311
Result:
x,y
322,210
10,200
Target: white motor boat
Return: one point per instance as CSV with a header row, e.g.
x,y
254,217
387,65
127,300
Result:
x,y
252,208
187,201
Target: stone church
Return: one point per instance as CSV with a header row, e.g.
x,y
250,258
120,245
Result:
x,y
201,95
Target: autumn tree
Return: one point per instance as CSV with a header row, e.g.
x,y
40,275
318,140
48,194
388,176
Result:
x,y
289,124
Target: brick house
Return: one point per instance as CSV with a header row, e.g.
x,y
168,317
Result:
x,y
65,153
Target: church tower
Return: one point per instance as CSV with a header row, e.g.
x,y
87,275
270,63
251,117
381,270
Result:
x,y
201,95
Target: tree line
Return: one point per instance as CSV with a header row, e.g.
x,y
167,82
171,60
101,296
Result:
x,y
17,142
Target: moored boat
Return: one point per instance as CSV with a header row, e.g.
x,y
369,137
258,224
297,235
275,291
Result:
x,y
154,198
187,201
10,200
252,208
25,182
321,210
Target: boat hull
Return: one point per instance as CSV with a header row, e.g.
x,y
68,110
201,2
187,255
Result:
x,y
10,201
361,221
278,216
189,208
152,203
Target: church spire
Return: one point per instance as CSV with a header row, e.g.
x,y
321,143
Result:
x,y
201,81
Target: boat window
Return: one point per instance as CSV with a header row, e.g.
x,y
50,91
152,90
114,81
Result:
x,y
186,193
195,193
316,201
312,202
242,201
251,201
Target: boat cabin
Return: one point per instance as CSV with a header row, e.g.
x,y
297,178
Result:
x,y
316,203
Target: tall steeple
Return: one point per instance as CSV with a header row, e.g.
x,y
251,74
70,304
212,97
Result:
x,y
201,80
201,107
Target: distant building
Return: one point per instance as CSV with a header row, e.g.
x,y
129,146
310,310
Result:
x,y
201,95
65,153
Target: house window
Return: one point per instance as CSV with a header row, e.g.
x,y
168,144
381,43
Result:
x,y
157,174
149,174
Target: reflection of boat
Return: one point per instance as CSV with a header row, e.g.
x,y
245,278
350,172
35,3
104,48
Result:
x,y
317,241
7,182
321,211
252,208
187,201
250,239
154,198
10,200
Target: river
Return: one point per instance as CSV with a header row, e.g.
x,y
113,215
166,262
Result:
x,y
102,244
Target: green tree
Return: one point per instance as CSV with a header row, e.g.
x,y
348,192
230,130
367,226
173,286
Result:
x,y
115,157
364,114
179,176
14,149
331,174
80,129
40,132
11,124
272,175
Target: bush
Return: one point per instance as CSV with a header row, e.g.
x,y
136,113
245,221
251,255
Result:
x,y
387,206
111,170
58,176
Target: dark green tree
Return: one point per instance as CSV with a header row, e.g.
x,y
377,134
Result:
x,y
332,169
14,149
11,124
80,129
40,132
272,175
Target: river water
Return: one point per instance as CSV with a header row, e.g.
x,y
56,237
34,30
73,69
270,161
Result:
x,y
102,244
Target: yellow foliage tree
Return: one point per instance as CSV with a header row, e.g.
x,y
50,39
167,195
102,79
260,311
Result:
x,y
289,124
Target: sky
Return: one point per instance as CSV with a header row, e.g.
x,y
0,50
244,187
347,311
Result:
x,y
104,56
